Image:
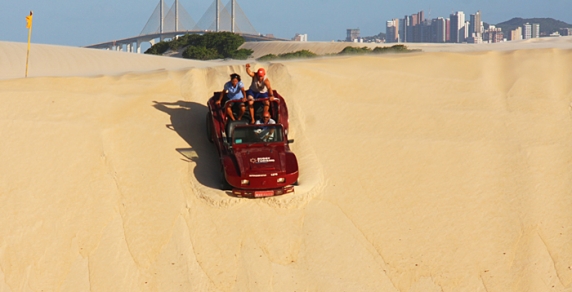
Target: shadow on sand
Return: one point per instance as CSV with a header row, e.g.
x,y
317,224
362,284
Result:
x,y
188,120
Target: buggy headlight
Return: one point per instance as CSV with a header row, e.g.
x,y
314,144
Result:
x,y
280,180
244,182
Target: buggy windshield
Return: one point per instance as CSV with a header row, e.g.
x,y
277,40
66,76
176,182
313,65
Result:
x,y
257,134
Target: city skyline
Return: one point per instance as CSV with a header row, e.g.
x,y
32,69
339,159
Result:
x,y
459,28
66,22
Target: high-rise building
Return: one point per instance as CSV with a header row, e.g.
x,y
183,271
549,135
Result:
x,y
526,31
413,33
535,30
418,27
457,27
409,28
353,34
392,31
476,24
403,25
465,32
412,29
447,30
476,28
439,30
454,28
515,34
427,32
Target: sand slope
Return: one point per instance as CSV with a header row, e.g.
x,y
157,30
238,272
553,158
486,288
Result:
x,y
51,60
327,48
422,172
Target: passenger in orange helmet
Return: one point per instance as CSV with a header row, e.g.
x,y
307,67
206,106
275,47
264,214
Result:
x,y
259,88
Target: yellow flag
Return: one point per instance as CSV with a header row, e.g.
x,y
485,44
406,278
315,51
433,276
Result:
x,y
29,27
29,20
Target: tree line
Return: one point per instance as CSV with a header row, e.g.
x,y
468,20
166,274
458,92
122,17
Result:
x,y
222,45
349,50
209,46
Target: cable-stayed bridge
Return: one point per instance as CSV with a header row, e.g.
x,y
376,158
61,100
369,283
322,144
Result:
x,y
168,23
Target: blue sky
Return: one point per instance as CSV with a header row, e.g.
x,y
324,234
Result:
x,y
80,23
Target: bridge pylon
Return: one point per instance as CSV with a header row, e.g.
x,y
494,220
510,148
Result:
x,y
171,22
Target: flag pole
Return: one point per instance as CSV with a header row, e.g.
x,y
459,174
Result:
x,y
29,26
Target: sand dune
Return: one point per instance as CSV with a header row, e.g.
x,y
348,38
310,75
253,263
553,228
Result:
x,y
442,171
325,48
51,60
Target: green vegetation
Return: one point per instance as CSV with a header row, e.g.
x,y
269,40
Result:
x,y
220,45
377,50
212,45
158,48
200,53
294,55
393,49
349,50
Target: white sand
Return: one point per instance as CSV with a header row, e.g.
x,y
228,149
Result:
x,y
325,48
444,171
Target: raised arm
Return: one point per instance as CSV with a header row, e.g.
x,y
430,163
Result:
x,y
248,71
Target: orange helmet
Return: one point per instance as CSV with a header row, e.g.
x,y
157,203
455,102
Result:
x,y
261,72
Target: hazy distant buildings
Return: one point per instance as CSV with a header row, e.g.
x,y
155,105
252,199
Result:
x,y
439,30
565,31
418,27
407,31
476,24
403,24
457,27
447,30
418,21
392,31
515,34
466,33
475,38
300,37
415,28
412,28
427,31
352,35
493,35
535,30
475,34
526,31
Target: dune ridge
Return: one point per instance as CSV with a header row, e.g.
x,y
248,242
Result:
x,y
436,171
328,48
